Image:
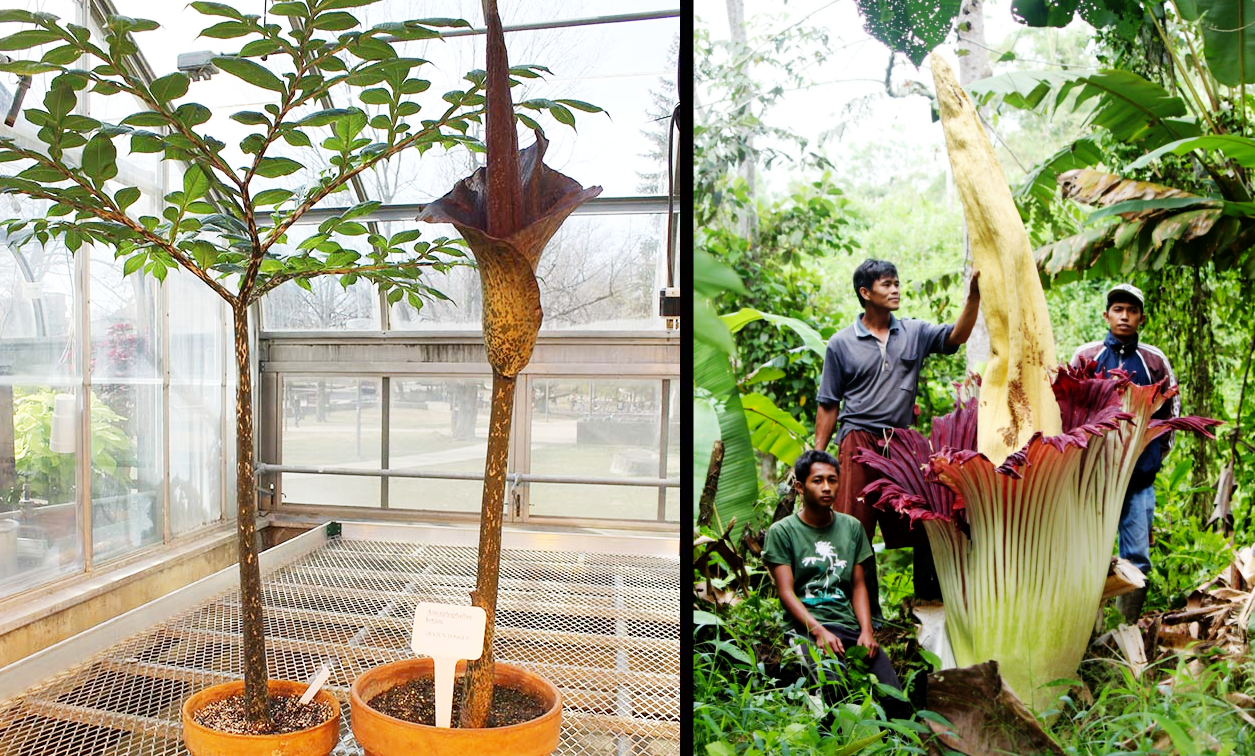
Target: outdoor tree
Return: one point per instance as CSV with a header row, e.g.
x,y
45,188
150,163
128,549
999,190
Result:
x,y
228,224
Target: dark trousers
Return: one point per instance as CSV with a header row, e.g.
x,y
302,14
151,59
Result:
x,y
894,527
833,691
879,666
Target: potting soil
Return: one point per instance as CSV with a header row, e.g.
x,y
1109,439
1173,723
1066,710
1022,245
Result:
x,y
415,701
287,714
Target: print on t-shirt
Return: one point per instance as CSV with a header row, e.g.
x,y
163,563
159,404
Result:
x,y
820,590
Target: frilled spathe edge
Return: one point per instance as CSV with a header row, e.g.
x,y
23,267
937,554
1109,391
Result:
x,y
920,472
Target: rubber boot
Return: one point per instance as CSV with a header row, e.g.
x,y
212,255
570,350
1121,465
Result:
x,y
1130,604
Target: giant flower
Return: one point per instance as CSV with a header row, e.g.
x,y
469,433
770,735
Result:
x,y
1022,548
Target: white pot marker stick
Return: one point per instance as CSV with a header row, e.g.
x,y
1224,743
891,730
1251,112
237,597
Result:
x,y
321,675
447,633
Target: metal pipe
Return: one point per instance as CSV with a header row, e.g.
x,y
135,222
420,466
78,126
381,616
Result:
x,y
589,21
514,477
406,212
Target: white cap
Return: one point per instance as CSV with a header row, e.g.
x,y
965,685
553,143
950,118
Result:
x,y
1130,290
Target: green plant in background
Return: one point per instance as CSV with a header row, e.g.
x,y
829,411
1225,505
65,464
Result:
x,y
51,474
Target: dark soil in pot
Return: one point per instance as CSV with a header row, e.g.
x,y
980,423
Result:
x,y
287,714
415,701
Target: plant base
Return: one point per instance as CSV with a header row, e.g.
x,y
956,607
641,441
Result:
x,y
382,735
203,741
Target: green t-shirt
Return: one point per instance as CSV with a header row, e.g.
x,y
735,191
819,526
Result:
x,y
823,562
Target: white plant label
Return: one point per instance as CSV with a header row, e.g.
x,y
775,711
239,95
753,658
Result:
x,y
447,633
315,683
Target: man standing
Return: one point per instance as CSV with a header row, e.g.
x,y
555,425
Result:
x,y
1125,314
867,390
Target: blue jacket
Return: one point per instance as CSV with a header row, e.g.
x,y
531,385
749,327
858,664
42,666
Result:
x,y
1145,365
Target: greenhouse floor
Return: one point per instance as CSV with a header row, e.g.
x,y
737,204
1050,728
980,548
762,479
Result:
x,y
597,615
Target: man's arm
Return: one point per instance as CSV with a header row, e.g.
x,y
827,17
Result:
x,y
863,613
967,319
782,574
825,422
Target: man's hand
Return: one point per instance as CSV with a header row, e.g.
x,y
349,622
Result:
x,y
867,640
973,291
828,641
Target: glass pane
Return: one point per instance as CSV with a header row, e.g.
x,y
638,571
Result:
x,y
595,428
327,306
599,272
37,310
331,422
583,500
126,409
198,328
39,513
438,425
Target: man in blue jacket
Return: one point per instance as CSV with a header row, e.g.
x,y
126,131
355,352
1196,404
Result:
x,y
1125,314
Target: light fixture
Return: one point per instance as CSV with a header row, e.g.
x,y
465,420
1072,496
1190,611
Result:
x,y
199,65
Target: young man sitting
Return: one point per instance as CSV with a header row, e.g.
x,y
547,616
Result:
x,y
816,557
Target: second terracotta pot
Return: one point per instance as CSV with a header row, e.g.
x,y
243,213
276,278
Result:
x,y
382,735
203,741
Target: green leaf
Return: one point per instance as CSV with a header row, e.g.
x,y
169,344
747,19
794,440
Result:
x,y
27,67
1239,149
289,9
1228,37
272,197
250,118
1138,206
217,9
169,87
581,105
859,744
337,21
274,167
1057,13
126,197
325,5
738,478
195,183
100,159
62,56
146,118
1041,184
810,337
20,16
562,114
250,71
29,38
1130,107
134,263
375,96
325,117
192,114
913,27
772,430
227,30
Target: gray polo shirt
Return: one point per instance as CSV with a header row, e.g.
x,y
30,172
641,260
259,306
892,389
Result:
x,y
875,384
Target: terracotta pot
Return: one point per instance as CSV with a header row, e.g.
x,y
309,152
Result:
x,y
203,741
382,735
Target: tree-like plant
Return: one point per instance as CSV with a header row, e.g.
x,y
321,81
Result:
x,y
228,225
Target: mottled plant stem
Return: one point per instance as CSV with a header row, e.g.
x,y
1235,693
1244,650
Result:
x,y
255,682
477,684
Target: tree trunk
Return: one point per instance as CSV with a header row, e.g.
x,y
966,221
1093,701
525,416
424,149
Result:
x,y
747,218
255,674
973,66
477,684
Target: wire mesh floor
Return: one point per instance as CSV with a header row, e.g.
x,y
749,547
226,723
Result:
x,y
603,628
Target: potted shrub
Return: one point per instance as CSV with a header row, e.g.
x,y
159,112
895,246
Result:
x,y
226,225
506,211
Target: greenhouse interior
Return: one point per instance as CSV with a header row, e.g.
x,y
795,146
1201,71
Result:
x,y
128,299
